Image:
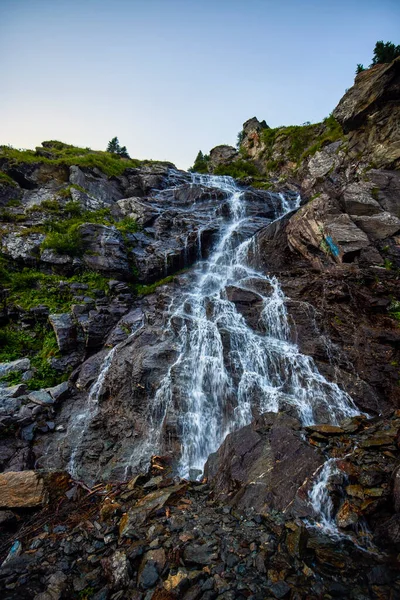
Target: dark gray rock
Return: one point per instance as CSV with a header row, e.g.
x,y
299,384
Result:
x,y
65,330
262,466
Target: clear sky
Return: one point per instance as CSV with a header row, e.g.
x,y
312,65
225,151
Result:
x,y
170,77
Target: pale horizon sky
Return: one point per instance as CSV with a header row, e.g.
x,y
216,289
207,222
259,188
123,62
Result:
x,y
171,77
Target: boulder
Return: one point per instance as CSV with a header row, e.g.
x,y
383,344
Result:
x,y
97,185
324,161
137,515
222,155
358,200
65,330
320,227
41,397
24,489
261,466
21,365
138,209
18,246
105,250
378,227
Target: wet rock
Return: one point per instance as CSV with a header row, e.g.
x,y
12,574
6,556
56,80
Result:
x,y
347,515
23,489
376,440
325,429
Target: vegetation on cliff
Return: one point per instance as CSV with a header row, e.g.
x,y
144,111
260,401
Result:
x,y
58,153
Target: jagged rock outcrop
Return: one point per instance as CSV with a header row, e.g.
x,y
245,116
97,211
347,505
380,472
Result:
x,y
221,155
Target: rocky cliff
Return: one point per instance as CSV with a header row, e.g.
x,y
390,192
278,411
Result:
x,y
100,369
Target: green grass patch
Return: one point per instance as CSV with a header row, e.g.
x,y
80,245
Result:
x,y
63,236
66,154
6,179
14,203
30,288
38,344
144,290
7,216
239,169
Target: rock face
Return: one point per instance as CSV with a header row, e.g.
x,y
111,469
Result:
x,y
221,155
262,466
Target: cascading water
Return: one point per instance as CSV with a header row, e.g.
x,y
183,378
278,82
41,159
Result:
x,y
225,371
320,499
84,419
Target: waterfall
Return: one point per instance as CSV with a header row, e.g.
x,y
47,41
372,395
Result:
x,y
321,501
82,421
225,371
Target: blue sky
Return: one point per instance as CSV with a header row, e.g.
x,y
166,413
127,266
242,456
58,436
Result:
x,y
170,77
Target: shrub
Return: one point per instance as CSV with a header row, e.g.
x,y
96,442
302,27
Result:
x,y
127,225
69,242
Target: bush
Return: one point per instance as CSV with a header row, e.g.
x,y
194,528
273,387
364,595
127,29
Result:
x,y
127,225
69,242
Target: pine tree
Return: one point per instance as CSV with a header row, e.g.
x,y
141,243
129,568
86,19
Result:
x,y
123,152
201,163
385,52
360,68
113,146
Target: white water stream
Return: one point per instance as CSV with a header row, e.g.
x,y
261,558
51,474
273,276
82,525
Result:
x,y
225,371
